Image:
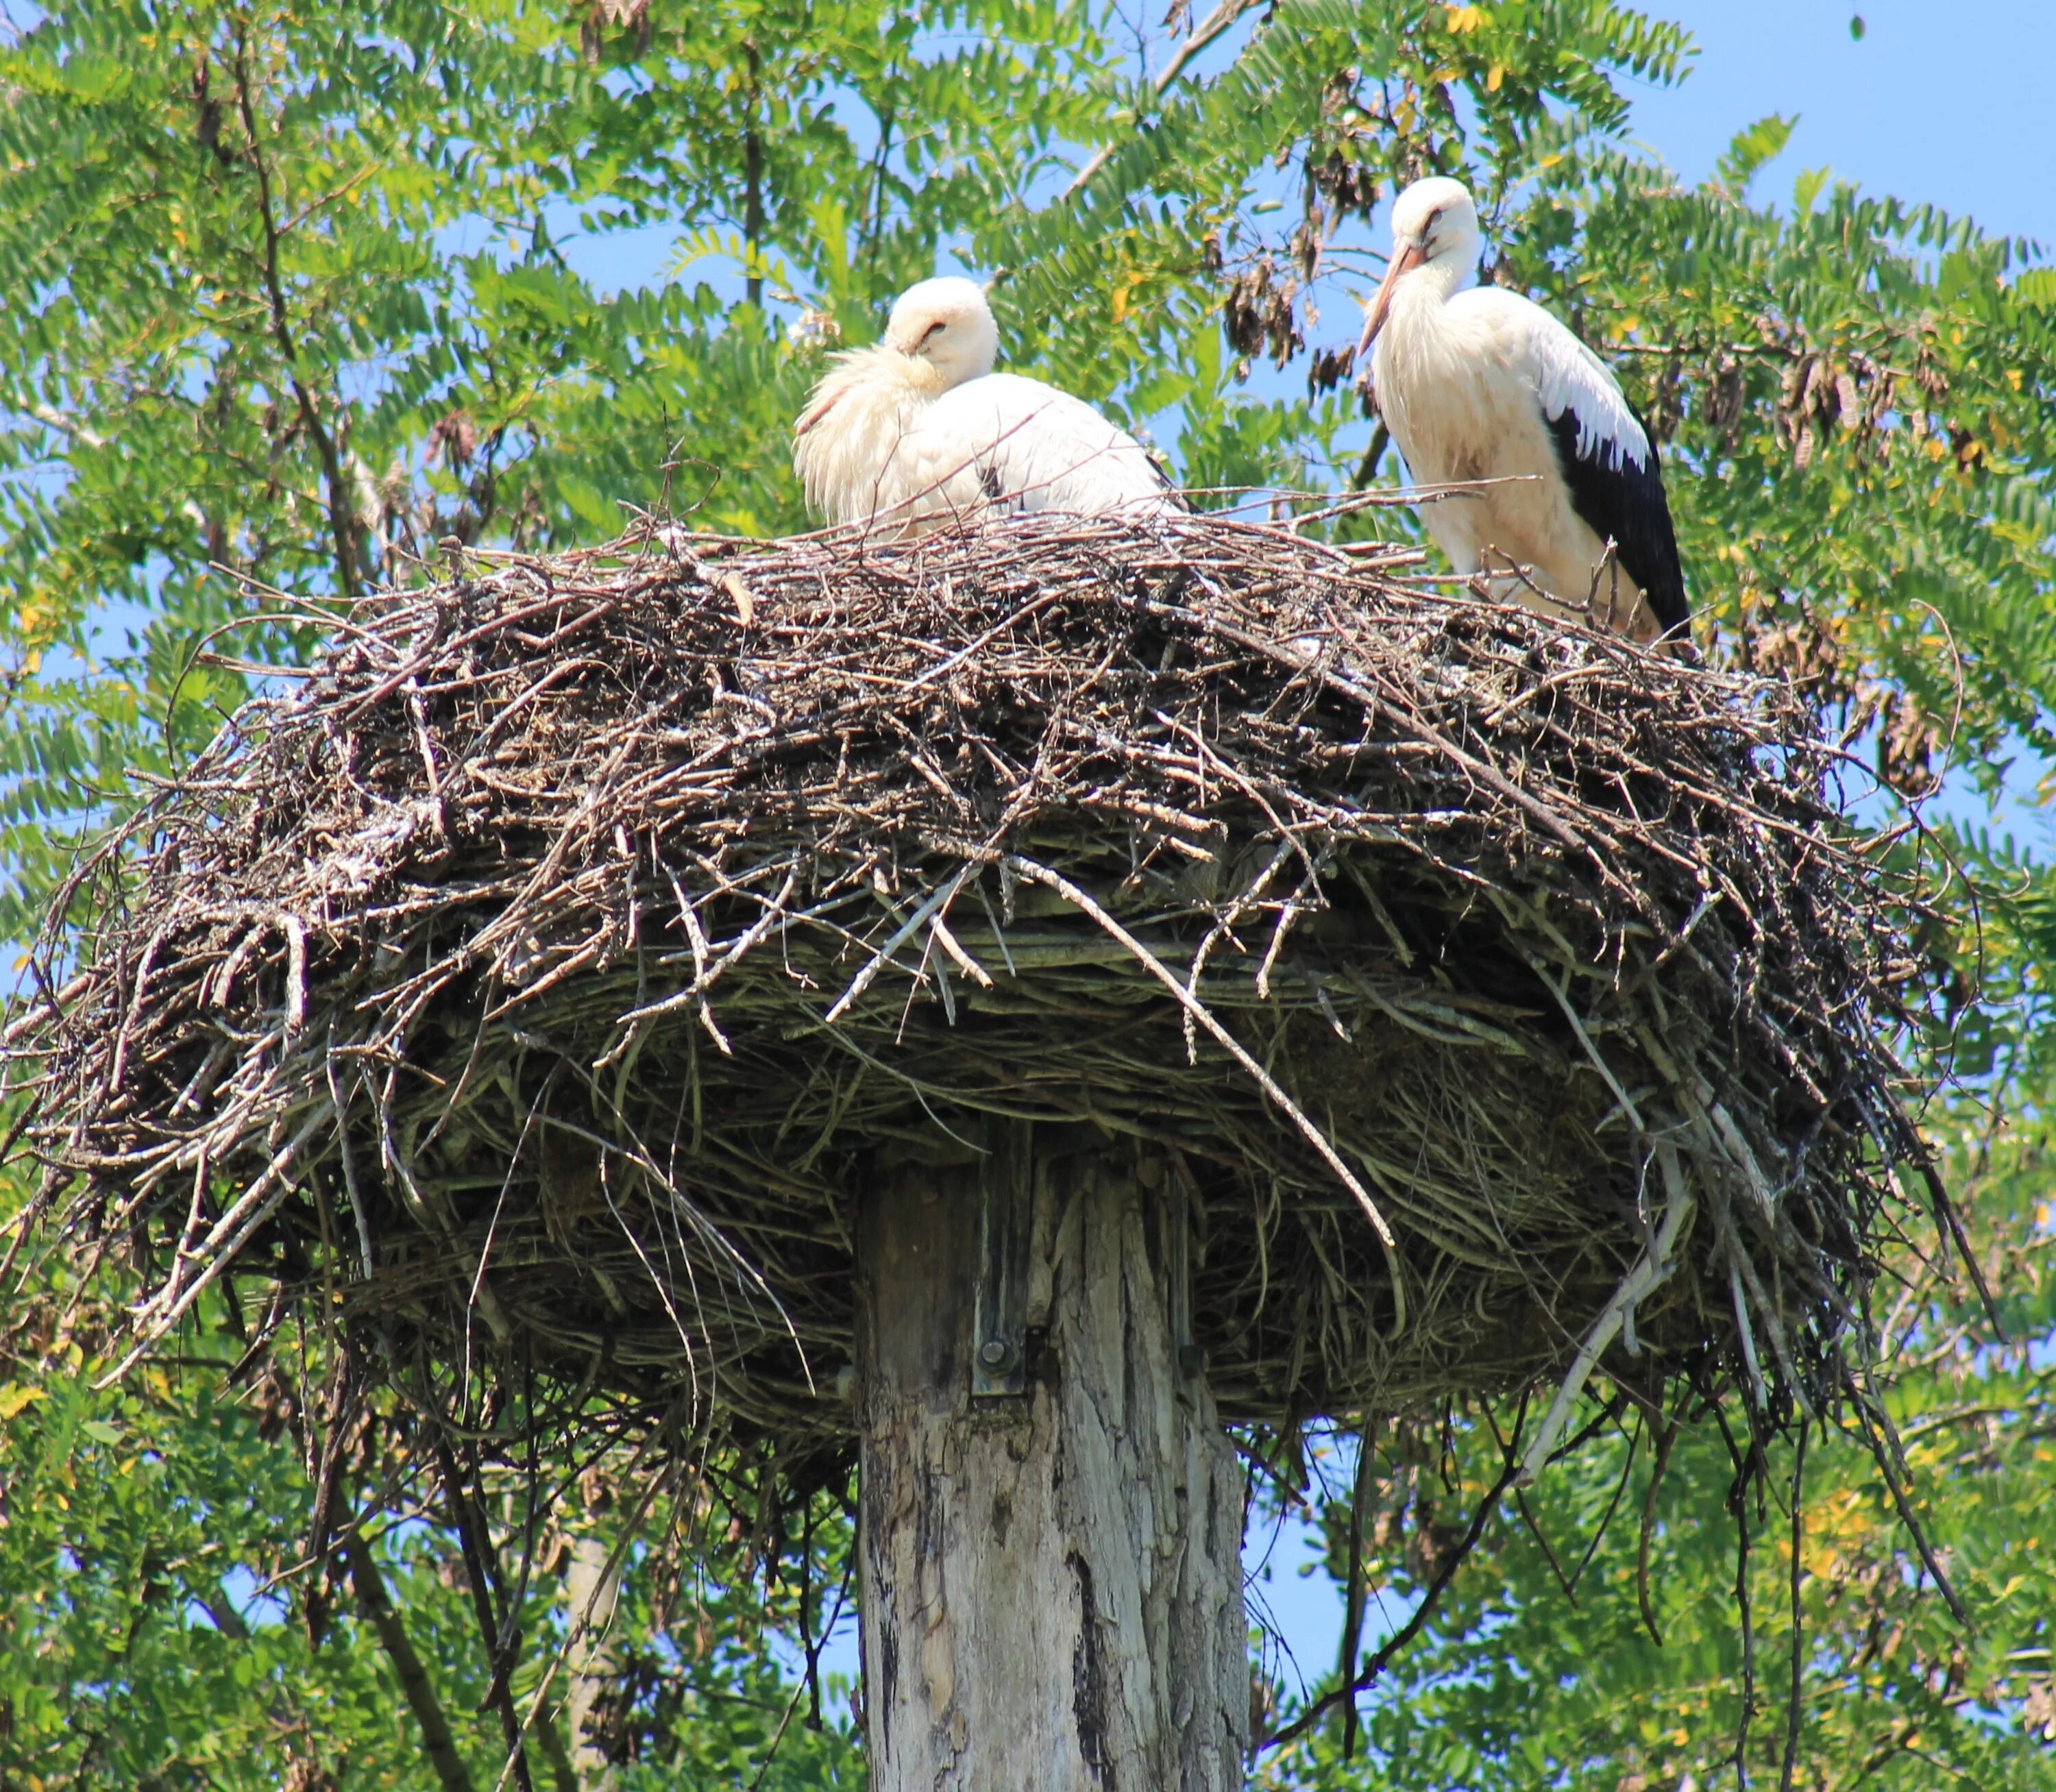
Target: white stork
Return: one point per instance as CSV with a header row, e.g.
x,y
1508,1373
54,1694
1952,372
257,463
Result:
x,y
1485,385
918,431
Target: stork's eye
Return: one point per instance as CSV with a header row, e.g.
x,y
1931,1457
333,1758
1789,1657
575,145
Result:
x,y
933,330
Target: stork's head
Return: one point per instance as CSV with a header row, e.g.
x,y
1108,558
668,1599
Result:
x,y
1434,220
940,333
1435,228
947,323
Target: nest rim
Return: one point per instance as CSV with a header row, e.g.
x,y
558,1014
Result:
x,y
753,659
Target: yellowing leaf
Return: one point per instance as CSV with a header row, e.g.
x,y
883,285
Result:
x,y
1462,19
37,622
14,1398
1493,77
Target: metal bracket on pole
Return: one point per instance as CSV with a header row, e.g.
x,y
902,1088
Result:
x,y
1006,1213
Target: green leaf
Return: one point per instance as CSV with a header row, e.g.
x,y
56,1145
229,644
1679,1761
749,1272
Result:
x,y
2036,286
15,1399
1750,149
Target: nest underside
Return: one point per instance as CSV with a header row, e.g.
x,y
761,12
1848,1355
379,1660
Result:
x,y
543,979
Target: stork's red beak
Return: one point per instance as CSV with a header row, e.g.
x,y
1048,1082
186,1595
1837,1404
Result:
x,y
1404,260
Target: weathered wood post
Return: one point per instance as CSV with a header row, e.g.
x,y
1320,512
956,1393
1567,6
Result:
x,y
1051,1516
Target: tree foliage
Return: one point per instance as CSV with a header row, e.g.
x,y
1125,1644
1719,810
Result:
x,y
296,295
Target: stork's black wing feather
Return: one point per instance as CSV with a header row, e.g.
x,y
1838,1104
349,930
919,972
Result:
x,y
1159,465
1624,504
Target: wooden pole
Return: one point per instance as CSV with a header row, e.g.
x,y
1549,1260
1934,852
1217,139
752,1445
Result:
x,y
1050,1516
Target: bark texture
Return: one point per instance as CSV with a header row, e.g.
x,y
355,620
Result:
x,y
437,1743
1051,1581
590,1594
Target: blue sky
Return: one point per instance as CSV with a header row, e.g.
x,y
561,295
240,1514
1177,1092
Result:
x,y
1947,104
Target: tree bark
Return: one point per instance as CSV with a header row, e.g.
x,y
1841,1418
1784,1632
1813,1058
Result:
x,y
1051,1581
437,1743
590,1594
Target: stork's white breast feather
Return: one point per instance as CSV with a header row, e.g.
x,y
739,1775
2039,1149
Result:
x,y
1034,448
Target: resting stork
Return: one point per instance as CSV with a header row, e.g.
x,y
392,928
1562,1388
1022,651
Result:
x,y
918,431
1485,385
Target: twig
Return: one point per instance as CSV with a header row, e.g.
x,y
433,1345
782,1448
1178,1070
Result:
x,y
1224,15
1650,1270
1509,1470
1666,1436
1071,893
1794,1703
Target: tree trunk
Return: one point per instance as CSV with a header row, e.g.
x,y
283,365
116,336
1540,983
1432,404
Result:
x,y
590,1594
1051,1572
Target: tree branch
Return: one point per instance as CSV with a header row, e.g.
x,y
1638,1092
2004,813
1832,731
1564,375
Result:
x,y
1613,1505
1793,1706
753,180
1509,1471
342,512
1224,14
497,1630
1353,1602
376,1603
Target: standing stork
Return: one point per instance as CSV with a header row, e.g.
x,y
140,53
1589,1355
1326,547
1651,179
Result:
x,y
918,431
1485,385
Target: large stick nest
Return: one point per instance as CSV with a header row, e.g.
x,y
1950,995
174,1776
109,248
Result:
x,y
542,979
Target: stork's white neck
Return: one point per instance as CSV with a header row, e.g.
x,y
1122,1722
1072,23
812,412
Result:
x,y
952,366
882,378
1435,281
